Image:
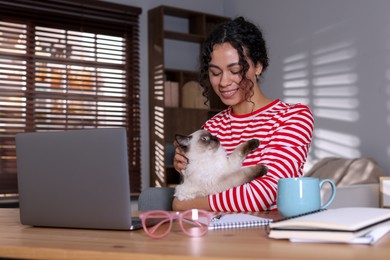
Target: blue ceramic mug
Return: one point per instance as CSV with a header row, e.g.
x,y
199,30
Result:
x,y
298,196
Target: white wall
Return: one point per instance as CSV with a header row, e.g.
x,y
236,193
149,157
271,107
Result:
x,y
341,53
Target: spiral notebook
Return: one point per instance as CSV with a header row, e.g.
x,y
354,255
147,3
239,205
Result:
x,y
237,220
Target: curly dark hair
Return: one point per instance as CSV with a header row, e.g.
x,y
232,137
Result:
x,y
242,35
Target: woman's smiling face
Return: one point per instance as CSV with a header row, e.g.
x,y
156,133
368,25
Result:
x,y
225,74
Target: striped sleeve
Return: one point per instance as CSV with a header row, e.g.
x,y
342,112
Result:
x,y
285,137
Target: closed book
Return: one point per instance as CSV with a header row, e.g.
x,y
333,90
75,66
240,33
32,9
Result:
x,y
167,94
331,225
174,93
171,94
192,96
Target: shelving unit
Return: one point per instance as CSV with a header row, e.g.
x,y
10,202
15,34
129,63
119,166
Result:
x,y
175,38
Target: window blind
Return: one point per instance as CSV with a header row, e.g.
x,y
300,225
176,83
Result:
x,y
67,65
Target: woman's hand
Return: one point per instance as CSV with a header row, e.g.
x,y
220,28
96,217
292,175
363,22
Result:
x,y
179,161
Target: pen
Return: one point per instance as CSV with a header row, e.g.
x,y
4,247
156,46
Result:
x,y
217,217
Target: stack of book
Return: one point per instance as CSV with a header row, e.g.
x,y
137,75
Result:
x,y
361,225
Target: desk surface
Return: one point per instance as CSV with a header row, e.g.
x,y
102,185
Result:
x,y
18,241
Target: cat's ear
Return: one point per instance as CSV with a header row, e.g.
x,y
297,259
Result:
x,y
183,140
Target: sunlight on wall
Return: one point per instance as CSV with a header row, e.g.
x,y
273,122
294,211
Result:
x,y
296,82
334,82
329,143
334,85
326,80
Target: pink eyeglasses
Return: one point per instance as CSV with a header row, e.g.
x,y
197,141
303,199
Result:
x,y
193,222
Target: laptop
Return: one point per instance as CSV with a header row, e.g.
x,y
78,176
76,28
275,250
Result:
x,y
75,179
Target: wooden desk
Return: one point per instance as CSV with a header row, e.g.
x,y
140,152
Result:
x,y
18,241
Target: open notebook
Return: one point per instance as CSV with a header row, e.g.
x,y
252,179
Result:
x,y
75,179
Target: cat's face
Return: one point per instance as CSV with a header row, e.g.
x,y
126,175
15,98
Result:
x,y
198,142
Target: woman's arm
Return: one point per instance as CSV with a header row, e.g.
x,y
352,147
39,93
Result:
x,y
197,203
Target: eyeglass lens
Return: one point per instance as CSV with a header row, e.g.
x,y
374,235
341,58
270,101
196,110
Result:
x,y
157,224
192,222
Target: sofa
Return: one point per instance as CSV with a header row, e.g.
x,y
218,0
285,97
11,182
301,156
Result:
x,y
360,195
356,179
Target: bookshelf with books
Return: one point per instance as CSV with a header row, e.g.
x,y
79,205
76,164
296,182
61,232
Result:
x,y
175,99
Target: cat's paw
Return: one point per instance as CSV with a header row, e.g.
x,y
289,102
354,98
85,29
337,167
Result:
x,y
252,145
252,172
261,170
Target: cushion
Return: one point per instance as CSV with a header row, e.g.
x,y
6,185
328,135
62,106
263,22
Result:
x,y
344,171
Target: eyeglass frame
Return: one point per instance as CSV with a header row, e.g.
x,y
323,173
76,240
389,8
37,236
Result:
x,y
173,215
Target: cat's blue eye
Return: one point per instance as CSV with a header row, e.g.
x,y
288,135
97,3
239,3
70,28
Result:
x,y
205,138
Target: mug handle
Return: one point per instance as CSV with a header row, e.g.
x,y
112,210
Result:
x,y
333,192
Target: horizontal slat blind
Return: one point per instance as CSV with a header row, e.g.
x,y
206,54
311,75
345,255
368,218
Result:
x,y
57,76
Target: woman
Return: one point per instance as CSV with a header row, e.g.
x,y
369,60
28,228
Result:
x,y
233,58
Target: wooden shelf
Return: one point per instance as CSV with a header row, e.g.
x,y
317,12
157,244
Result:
x,y
183,36
166,121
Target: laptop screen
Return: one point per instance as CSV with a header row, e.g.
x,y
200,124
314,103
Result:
x,y
75,178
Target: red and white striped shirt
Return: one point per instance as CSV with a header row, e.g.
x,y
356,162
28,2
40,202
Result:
x,y
285,132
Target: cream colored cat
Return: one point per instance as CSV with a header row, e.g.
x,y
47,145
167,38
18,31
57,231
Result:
x,y
210,170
